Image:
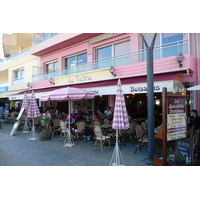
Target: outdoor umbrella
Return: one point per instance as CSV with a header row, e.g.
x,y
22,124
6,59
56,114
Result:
x,y
68,94
120,121
196,87
25,104
33,112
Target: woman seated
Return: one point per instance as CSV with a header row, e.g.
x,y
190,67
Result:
x,y
95,119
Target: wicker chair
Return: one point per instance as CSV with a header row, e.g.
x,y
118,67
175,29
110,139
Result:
x,y
144,128
106,121
79,131
101,138
97,122
131,131
142,141
56,126
63,131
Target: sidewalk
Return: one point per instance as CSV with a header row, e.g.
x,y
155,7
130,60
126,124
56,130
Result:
x,y
18,151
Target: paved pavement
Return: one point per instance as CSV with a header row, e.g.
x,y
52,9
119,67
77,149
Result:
x,y
18,151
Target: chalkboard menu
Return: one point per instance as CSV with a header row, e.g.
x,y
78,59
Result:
x,y
185,147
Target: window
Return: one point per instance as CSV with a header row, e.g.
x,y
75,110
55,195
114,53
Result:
x,y
50,67
169,44
76,64
18,77
112,55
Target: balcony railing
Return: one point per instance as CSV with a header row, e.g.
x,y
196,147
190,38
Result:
x,y
17,81
4,84
168,50
46,36
15,57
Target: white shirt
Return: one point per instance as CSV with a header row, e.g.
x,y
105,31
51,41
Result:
x,y
108,112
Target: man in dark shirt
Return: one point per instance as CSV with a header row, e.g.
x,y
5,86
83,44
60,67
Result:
x,y
194,119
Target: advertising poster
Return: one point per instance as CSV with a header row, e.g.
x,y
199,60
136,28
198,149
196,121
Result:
x,y
176,119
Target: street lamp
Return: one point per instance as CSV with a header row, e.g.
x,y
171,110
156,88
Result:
x,y
150,97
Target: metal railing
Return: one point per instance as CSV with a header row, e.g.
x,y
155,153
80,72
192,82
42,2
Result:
x,y
46,36
167,50
4,84
15,57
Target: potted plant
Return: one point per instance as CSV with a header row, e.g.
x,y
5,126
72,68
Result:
x,y
46,131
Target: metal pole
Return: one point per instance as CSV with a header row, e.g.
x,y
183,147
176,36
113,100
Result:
x,y
150,100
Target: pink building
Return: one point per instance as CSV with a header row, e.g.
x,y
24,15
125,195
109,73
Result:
x,y
84,60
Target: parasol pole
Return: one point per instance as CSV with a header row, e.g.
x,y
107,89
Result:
x,y
26,126
33,133
69,141
117,159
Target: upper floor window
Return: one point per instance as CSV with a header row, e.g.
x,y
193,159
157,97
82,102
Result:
x,y
76,60
113,55
52,66
168,44
18,77
76,63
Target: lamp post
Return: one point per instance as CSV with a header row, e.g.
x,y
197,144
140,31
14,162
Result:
x,y
150,98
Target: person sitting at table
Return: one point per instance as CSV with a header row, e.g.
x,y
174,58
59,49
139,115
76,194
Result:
x,y
53,116
108,112
100,114
75,110
95,118
79,117
58,114
69,118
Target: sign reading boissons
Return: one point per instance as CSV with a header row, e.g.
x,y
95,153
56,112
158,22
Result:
x,y
176,119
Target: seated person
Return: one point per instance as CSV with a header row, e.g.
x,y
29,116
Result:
x,y
79,117
53,116
100,114
108,112
95,118
69,117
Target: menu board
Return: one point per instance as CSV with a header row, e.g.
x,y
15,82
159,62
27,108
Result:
x,y
14,128
176,119
185,148
20,113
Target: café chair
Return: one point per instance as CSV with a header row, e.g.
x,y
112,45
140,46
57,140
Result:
x,y
56,126
97,122
106,121
144,128
63,131
142,141
131,131
79,131
101,138
190,132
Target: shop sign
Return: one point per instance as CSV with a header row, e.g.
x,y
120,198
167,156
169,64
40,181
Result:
x,y
3,89
79,79
176,119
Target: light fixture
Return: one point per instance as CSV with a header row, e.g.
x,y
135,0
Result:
x,y
100,96
29,85
179,59
51,81
112,71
